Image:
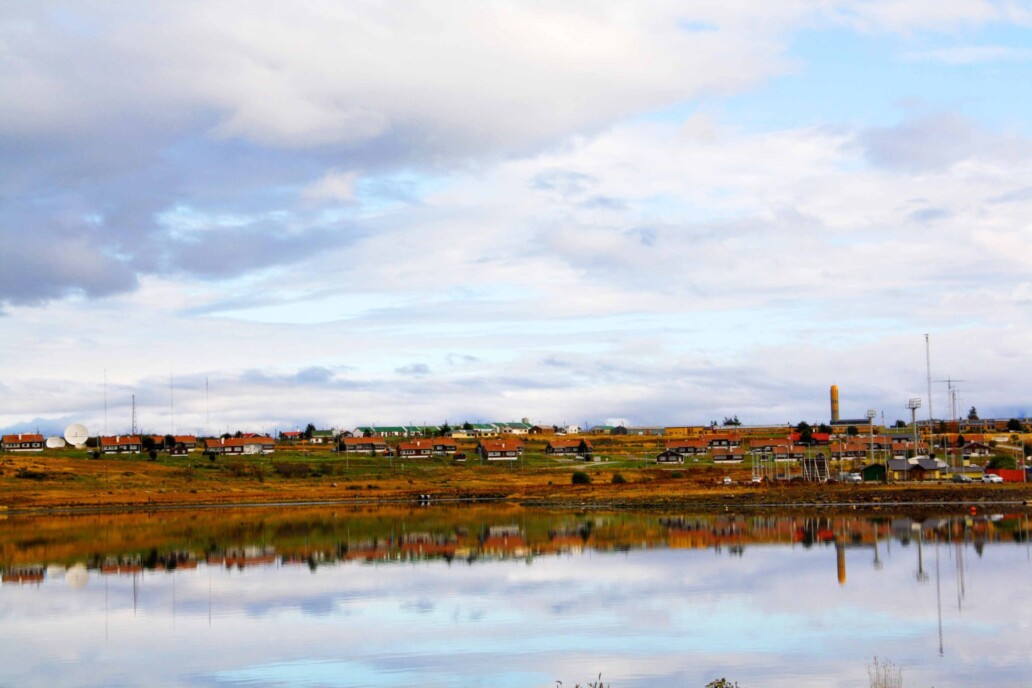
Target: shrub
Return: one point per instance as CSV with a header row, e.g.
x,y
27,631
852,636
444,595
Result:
x,y
292,469
29,474
677,474
580,478
618,479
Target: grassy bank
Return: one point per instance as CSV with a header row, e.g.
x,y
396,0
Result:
x,y
69,479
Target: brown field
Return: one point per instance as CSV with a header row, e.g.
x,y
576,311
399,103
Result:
x,y
70,480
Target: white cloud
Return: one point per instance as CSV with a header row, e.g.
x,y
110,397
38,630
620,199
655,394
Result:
x,y
972,54
335,185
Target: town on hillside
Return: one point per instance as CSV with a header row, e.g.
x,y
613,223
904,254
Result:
x,y
850,449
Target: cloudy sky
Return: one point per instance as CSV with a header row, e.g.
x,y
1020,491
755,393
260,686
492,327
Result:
x,y
663,212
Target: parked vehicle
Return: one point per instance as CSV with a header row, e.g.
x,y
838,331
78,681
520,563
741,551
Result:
x,y
853,478
991,478
961,478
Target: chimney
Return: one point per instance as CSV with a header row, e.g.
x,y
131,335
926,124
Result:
x,y
834,404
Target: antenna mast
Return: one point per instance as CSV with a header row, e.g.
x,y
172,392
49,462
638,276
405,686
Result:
x,y
928,369
171,404
105,401
207,409
134,416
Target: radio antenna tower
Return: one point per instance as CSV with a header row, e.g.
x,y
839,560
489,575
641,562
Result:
x,y
134,416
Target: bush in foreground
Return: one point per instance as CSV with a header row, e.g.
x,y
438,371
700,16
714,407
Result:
x,y
580,478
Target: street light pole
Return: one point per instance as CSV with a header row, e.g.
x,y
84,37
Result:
x,y
913,404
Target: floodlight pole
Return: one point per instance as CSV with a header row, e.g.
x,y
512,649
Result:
x,y
871,413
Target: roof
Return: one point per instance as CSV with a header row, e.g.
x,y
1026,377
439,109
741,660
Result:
x,y
119,440
416,444
557,443
351,441
501,445
23,437
694,444
238,441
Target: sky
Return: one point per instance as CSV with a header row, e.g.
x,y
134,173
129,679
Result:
x,y
254,216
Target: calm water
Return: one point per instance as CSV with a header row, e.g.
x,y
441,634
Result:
x,y
511,597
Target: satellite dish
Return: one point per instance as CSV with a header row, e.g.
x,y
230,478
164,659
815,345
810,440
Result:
x,y
55,443
77,434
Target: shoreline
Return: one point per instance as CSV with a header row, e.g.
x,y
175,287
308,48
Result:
x,y
70,485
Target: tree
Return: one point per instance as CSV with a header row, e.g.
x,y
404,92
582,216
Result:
x,y
852,431
805,433
1002,461
170,442
973,414
148,443
731,421
1014,425
467,425
900,424
961,441
309,429
444,429
825,428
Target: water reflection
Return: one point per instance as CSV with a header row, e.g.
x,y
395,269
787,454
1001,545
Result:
x,y
510,597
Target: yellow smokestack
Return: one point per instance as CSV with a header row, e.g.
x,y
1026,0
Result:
x,y
834,404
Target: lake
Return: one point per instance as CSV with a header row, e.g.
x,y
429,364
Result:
x,y
503,596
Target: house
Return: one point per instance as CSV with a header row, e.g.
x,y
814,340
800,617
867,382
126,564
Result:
x,y
258,444
364,445
722,441
482,429
767,446
728,455
975,449
670,456
847,450
790,452
291,435
415,449
542,430
601,430
380,431
568,447
642,431
500,450
23,442
917,468
818,438
521,428
901,449
182,444
443,445
120,444
322,437
687,447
